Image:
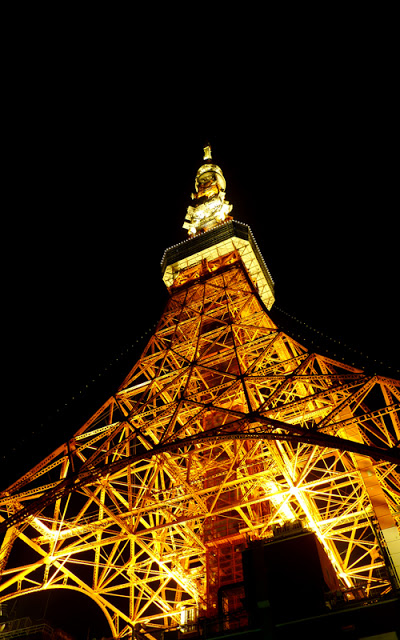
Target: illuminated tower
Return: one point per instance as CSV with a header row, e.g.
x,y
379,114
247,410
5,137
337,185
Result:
x,y
226,431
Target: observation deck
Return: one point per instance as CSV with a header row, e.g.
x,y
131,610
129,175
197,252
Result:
x,y
215,243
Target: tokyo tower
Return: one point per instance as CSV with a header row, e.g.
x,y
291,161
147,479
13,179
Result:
x,y
226,436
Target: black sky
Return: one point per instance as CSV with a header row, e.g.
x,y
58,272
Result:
x,y
102,164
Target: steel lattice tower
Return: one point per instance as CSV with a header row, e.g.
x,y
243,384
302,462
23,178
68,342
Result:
x,y
224,430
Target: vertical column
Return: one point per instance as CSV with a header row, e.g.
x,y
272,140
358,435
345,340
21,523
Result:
x,y
377,497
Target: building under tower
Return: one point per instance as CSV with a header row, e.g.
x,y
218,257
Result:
x,y
234,484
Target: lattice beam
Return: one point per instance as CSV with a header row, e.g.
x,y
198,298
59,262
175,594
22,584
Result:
x,y
224,429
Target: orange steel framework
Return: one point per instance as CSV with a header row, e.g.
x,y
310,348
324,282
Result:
x,y
224,430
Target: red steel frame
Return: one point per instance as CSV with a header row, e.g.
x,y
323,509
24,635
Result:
x,y
225,428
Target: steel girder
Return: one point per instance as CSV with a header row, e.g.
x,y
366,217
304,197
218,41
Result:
x,y
225,428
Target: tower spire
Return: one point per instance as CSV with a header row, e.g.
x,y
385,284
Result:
x,y
209,207
207,151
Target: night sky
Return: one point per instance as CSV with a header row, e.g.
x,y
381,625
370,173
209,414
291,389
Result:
x,y
103,174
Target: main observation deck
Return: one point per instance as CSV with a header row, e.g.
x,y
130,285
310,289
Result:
x,y
216,242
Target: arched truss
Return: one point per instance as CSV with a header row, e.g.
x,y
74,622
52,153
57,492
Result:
x,y
225,428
